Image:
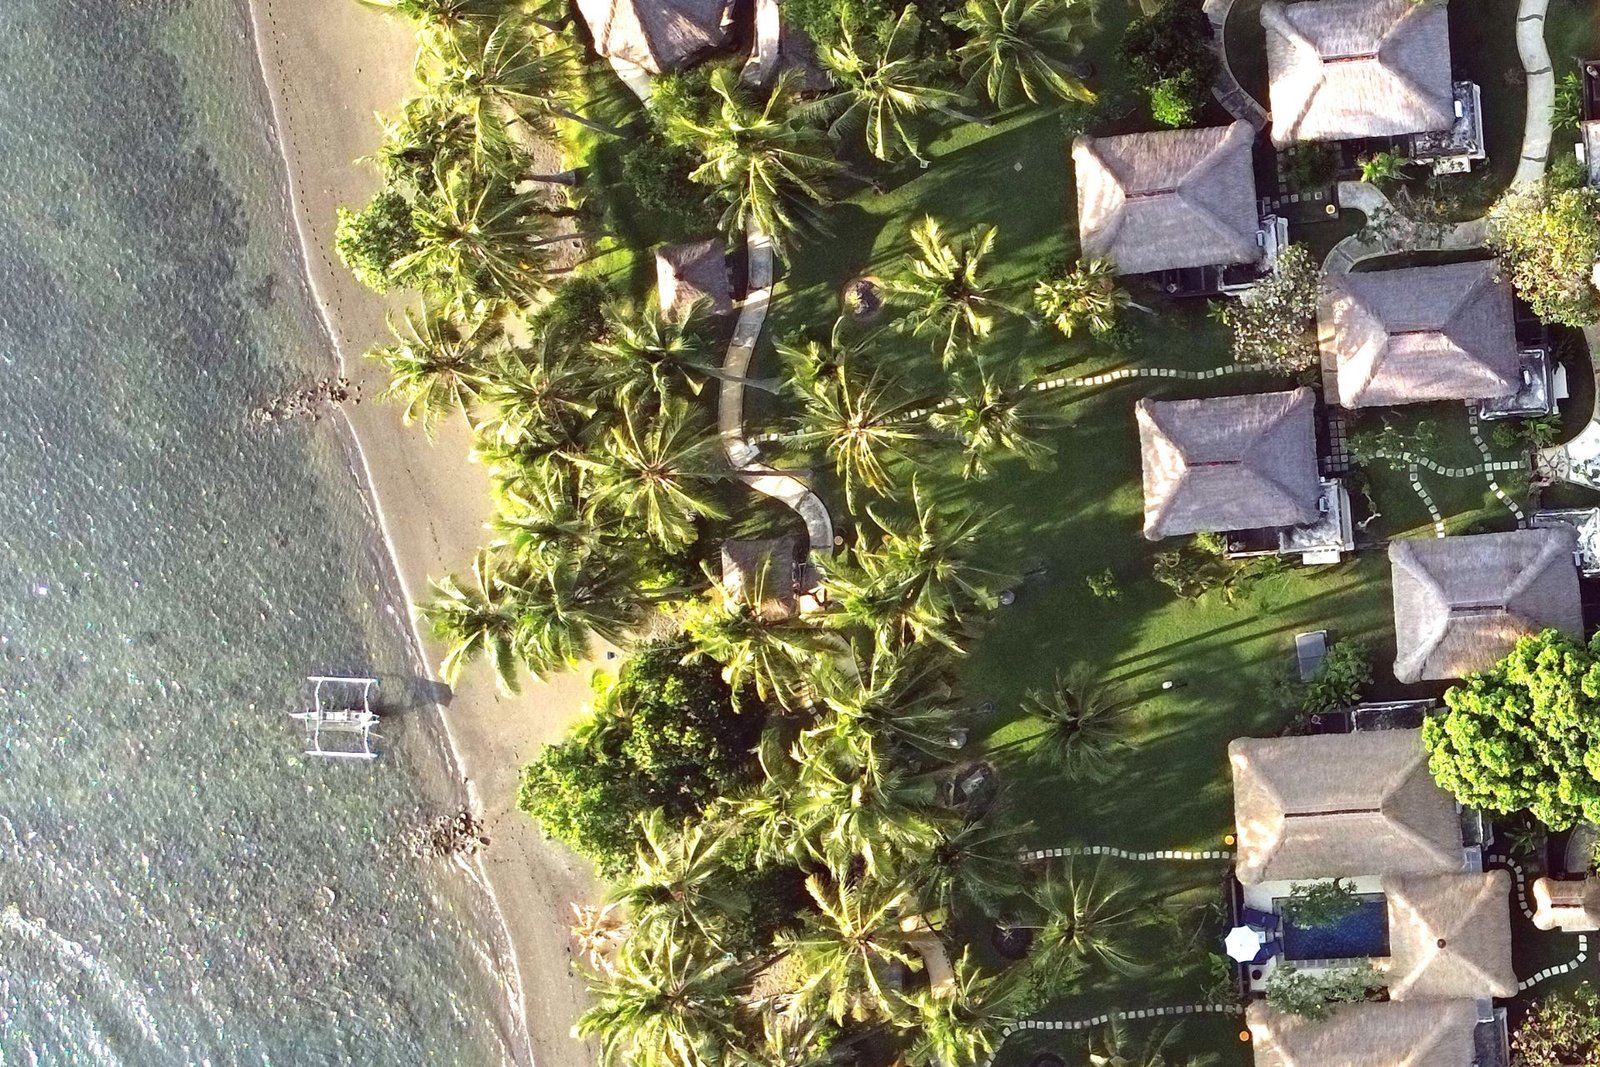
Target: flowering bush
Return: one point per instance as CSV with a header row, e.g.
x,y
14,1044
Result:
x,y
1274,324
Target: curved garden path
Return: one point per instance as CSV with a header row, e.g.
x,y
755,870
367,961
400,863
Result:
x,y
1541,90
743,456
1229,93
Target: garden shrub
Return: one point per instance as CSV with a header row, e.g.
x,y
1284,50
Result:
x,y
1275,323
1312,996
1322,904
1309,165
1169,50
1550,238
575,314
1562,1028
1172,101
372,240
1340,680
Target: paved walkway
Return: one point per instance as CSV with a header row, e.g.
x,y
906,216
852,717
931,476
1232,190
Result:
x,y
1541,91
742,455
1519,879
763,61
1371,202
1124,854
1229,93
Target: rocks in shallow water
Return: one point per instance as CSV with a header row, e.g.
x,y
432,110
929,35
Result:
x,y
460,834
309,402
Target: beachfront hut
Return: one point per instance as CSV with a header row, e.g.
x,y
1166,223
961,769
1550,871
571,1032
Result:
x,y
1450,937
1168,200
763,574
1461,603
657,35
1570,904
1418,334
1366,1035
1337,805
1228,463
1346,69
690,273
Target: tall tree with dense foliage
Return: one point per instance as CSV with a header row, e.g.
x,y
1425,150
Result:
x,y
1275,323
1169,51
1550,238
1525,734
1022,50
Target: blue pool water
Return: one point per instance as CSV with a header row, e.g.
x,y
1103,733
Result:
x,y
1363,933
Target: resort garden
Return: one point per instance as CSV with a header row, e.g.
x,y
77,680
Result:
x,y
867,821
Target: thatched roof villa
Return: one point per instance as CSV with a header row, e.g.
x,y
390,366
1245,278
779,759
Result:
x,y
657,35
1438,1034
766,569
1337,805
1228,463
696,271
1169,199
1345,69
1418,334
1450,937
1571,905
1461,603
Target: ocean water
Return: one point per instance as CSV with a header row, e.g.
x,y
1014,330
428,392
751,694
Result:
x,y
177,883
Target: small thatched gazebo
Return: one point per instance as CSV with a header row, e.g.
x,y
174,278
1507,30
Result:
x,y
691,273
1450,936
1418,334
658,35
1166,200
1461,603
1346,69
1228,463
1337,805
766,570
1438,1034
1570,905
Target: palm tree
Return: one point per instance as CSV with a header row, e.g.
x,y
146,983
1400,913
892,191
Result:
x,y
478,240
680,880
443,19
901,697
944,289
476,621
649,354
770,655
490,76
1087,919
859,424
664,1005
963,1024
545,515
767,166
430,134
1113,1046
658,473
1087,295
994,416
567,600
791,1040
811,363
537,392
882,91
437,364
976,864
1020,49
1084,724
845,949
921,582
1383,167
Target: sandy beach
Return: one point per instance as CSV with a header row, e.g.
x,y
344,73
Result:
x,y
329,65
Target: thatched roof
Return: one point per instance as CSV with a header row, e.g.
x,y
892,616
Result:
x,y
1461,603
696,271
1422,333
1340,805
1228,463
1366,1035
1450,936
1572,905
1340,69
658,35
764,569
1174,198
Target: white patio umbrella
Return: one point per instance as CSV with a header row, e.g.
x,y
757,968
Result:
x,y
1243,942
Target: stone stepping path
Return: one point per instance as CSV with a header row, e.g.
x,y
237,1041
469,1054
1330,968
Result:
x,y
1076,1025
1124,854
1519,879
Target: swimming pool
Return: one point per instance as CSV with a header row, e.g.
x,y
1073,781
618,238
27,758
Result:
x,y
1363,933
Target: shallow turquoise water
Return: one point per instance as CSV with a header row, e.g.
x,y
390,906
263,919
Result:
x,y
177,885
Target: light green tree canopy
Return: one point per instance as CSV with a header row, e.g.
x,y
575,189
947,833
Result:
x,y
1525,734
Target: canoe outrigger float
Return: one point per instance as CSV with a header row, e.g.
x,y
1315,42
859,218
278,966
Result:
x,y
341,707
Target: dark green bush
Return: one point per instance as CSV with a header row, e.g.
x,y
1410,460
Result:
x,y
372,240
656,174
575,314
1170,51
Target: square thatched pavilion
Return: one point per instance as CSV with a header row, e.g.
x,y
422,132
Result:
x,y
1461,603
1229,463
657,35
763,574
1339,805
1169,199
1438,1034
1418,334
690,273
1450,937
1346,69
